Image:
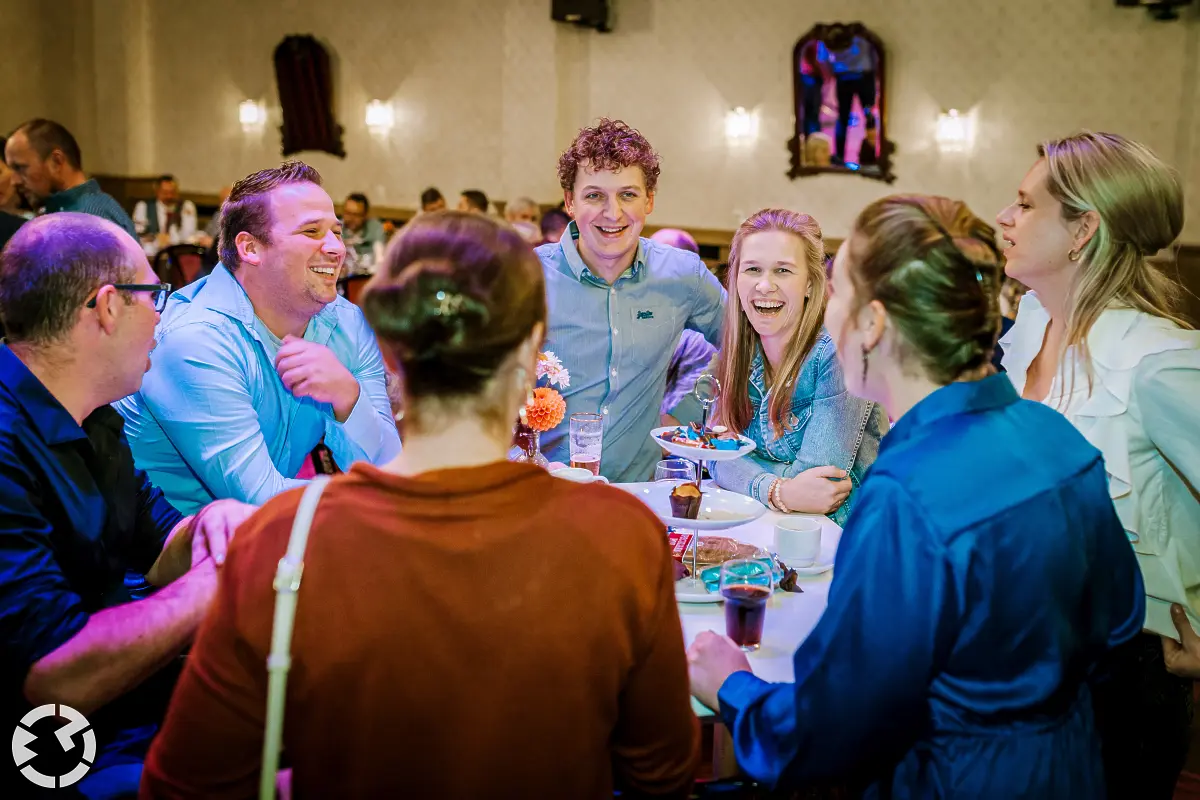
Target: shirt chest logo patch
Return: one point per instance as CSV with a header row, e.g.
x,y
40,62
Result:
x,y
645,315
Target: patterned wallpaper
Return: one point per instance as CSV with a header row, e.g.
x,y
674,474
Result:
x,y
487,94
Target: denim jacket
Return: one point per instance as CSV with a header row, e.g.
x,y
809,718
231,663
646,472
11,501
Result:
x,y
826,426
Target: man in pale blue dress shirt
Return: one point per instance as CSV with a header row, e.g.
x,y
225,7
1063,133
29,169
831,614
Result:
x,y
618,303
260,361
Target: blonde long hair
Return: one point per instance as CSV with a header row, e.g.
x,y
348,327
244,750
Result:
x,y
1139,201
740,342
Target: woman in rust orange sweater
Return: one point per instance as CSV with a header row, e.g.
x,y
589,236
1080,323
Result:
x,y
466,627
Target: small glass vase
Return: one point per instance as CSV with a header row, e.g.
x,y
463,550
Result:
x,y
527,447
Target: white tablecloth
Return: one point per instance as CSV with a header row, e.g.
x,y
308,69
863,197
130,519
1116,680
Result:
x,y
791,616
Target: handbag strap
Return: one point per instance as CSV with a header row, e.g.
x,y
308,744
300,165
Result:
x,y
287,587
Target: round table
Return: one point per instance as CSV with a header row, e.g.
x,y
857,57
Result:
x,y
790,615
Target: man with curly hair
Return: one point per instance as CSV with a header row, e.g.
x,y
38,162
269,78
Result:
x,y
618,303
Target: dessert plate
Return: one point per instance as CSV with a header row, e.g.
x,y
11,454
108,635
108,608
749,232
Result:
x,y
694,453
719,509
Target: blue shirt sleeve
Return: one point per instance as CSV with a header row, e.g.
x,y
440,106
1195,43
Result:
x,y
199,393
369,433
38,610
155,520
863,674
708,305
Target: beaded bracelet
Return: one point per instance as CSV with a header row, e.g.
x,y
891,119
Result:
x,y
775,496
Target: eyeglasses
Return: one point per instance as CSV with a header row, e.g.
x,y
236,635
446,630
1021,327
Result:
x,y
158,292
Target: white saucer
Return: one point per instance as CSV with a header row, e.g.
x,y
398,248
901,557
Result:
x,y
814,569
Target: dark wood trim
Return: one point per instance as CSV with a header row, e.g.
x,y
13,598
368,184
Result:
x,y
796,143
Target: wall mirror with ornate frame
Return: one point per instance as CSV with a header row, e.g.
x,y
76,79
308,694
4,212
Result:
x,y
840,103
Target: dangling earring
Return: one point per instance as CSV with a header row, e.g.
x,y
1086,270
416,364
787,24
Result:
x,y
865,352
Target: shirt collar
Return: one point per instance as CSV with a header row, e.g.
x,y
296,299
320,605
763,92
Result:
x,y
223,294
575,261
963,397
53,422
68,198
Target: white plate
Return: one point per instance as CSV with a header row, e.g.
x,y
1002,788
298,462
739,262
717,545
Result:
x,y
699,453
685,593
719,509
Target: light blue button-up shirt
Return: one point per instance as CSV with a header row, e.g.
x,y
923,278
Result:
x,y
214,420
617,341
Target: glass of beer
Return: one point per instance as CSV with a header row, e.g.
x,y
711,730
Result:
x,y
746,586
587,438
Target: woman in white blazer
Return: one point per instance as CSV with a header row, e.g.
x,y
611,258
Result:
x,y
1097,338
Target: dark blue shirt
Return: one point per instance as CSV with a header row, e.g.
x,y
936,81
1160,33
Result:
x,y
75,515
980,580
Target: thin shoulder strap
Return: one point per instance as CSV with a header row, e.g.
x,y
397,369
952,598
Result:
x,y
287,586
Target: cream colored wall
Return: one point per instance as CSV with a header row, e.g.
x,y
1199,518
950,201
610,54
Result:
x,y
487,94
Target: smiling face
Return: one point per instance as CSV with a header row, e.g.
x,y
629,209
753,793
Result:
x,y
1039,239
305,255
772,282
610,208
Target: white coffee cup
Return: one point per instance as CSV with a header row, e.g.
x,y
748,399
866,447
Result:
x,y
579,475
798,540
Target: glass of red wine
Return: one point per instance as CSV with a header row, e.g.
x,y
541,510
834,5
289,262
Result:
x,y
746,586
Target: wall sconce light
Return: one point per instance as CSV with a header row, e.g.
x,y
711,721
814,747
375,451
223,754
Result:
x,y
740,125
380,117
953,131
252,115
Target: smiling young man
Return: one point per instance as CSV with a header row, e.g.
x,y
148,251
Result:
x,y
618,303
262,360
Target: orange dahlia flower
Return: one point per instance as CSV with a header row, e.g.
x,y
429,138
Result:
x,y
546,411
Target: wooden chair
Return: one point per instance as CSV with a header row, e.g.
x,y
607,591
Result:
x,y
180,264
351,287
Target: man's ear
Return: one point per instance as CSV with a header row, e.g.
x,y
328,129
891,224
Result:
x,y
249,249
649,203
109,307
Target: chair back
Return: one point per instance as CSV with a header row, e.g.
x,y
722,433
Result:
x,y
351,287
180,264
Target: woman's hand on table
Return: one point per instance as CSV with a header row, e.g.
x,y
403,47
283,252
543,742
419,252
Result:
x,y
820,490
1182,658
712,658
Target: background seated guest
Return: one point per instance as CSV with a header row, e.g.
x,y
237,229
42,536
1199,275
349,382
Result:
x,y
955,654
473,200
432,200
618,302
587,664
78,298
262,360
212,231
554,223
48,166
361,232
781,382
522,209
1098,339
164,221
693,355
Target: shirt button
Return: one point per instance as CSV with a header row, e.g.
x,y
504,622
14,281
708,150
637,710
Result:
x,y
614,373
605,409
615,331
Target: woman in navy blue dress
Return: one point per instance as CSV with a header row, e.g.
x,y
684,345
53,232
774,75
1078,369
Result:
x,y
983,574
